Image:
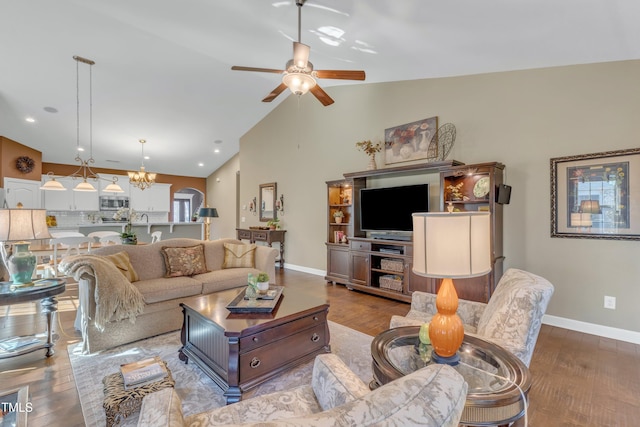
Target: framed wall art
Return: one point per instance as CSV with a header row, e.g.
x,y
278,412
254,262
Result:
x,y
596,195
411,141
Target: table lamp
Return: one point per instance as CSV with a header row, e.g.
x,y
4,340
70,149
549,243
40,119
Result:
x,y
19,226
207,213
449,246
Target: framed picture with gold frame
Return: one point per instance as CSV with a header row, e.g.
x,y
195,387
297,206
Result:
x,y
596,196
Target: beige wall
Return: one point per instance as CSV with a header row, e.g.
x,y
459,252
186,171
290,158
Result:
x,y
521,119
221,194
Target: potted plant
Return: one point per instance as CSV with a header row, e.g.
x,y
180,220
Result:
x,y
273,223
263,282
371,149
128,237
337,216
455,191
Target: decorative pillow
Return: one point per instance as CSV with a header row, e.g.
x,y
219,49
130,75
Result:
x,y
184,261
237,256
122,261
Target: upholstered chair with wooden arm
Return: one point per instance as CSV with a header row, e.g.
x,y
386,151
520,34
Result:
x,y
512,318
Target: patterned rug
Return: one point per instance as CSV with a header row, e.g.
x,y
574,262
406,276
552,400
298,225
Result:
x,y
197,391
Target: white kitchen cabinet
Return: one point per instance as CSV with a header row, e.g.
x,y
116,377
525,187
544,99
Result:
x,y
155,198
71,200
23,191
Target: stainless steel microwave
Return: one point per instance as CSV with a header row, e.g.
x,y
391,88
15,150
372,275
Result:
x,y
113,203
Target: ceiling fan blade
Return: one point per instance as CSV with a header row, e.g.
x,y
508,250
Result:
x,y
274,93
261,70
300,55
340,74
322,96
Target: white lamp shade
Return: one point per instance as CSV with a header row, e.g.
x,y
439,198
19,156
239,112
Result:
x,y
454,245
84,186
54,185
581,220
113,188
23,224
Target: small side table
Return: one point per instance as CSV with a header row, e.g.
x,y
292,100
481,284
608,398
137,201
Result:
x,y
267,236
495,376
44,290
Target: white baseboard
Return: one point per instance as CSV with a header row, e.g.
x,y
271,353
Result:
x,y
314,271
592,328
561,322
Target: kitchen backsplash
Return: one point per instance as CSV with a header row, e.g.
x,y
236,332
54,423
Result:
x,y
65,219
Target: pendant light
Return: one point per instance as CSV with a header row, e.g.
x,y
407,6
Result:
x,y
84,172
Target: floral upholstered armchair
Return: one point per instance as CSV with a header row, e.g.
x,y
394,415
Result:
x,y
432,396
512,318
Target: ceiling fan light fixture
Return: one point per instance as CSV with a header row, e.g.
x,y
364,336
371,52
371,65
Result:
x,y
300,55
299,83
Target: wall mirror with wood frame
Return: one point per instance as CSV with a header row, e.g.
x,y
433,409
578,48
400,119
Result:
x,y
268,202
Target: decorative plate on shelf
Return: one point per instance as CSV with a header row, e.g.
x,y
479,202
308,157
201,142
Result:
x,y
481,189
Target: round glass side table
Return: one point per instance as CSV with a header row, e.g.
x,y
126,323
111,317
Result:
x,y
45,291
494,375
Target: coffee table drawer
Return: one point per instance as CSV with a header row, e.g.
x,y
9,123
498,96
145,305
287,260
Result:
x,y
266,359
251,342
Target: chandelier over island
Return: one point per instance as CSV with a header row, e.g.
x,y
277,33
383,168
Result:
x,y
84,172
142,179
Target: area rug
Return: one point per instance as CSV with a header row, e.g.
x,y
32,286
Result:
x,y
197,391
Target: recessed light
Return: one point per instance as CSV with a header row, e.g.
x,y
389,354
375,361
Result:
x,y
80,149
217,141
217,150
50,109
147,157
200,164
30,119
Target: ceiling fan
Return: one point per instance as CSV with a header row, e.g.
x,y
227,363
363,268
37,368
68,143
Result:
x,y
299,75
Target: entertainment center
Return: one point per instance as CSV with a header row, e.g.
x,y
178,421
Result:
x,y
368,254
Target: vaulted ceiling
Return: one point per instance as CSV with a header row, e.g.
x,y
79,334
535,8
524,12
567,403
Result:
x,y
163,68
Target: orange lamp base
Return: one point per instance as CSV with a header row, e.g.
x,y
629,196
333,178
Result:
x,y
445,329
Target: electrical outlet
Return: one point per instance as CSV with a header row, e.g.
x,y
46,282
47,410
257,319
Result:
x,y
610,302
243,219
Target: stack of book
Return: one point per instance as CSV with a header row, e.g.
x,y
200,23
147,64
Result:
x,y
143,372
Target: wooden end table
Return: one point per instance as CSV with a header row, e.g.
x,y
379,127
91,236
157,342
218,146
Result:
x,y
44,290
241,350
492,373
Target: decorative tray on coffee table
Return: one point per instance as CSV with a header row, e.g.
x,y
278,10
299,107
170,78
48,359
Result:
x,y
265,303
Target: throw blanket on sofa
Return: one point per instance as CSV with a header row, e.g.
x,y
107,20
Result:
x,y
116,298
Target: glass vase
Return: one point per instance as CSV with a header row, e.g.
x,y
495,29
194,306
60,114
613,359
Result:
x,y
21,264
251,293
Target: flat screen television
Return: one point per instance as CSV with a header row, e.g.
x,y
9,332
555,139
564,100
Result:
x,y
389,209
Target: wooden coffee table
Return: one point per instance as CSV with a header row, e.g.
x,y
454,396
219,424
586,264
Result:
x,y
240,351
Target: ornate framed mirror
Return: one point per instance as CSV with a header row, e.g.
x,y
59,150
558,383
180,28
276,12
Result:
x,y
267,202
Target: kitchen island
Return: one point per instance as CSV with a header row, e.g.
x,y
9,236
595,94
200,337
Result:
x,y
170,230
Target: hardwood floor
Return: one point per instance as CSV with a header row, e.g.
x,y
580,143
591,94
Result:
x,y
578,379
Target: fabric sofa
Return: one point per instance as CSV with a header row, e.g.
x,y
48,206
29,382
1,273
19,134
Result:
x,y
150,305
512,318
432,396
